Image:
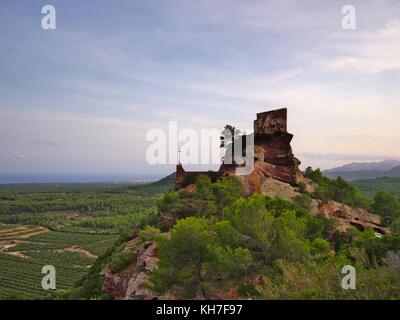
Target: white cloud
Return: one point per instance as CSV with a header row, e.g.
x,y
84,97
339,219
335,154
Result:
x,y
367,52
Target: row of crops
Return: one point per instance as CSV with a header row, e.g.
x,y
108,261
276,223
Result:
x,y
21,265
24,276
66,226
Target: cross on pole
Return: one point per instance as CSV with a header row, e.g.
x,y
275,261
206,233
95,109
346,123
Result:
x,y
179,155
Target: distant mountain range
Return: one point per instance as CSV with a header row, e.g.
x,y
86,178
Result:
x,y
366,170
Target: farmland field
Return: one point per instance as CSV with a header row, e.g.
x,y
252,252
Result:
x,y
66,226
25,250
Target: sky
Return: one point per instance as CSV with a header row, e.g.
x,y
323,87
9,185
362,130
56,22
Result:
x,y
81,98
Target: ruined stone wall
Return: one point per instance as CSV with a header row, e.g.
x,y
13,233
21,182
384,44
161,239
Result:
x,y
273,153
272,146
271,122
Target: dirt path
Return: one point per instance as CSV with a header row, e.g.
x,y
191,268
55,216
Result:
x,y
5,246
18,233
84,252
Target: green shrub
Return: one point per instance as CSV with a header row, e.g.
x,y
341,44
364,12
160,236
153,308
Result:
x,y
386,206
226,192
277,205
302,187
122,259
303,200
149,233
339,190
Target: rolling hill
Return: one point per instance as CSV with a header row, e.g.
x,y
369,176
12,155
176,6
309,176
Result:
x,y
371,170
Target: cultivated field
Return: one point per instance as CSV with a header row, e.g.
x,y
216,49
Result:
x,y
67,226
24,250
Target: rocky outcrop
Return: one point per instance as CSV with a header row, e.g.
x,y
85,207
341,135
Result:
x,y
345,216
131,283
273,155
261,182
114,284
276,173
272,146
349,217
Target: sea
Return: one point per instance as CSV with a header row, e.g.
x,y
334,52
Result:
x,y
77,178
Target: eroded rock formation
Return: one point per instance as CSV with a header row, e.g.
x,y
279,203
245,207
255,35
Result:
x,y
273,154
348,217
276,173
131,283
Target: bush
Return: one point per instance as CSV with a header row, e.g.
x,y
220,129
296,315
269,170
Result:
x,y
303,200
395,226
196,259
122,259
386,206
302,187
204,197
277,205
226,192
339,190
320,247
149,233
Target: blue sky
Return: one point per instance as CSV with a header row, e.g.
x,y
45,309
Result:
x,y
80,99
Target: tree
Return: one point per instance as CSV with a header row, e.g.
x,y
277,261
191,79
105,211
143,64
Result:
x,y
250,218
320,247
339,189
290,243
197,260
395,226
322,280
226,192
174,204
386,206
273,228
228,137
204,196
306,280
277,205
183,257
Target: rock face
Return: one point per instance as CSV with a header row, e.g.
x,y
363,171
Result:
x,y
273,153
272,146
130,284
348,217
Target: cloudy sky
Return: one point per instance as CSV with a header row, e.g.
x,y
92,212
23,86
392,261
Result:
x,y
81,98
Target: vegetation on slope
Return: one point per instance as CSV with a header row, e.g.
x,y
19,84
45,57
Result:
x,y
226,246
384,204
339,190
371,186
